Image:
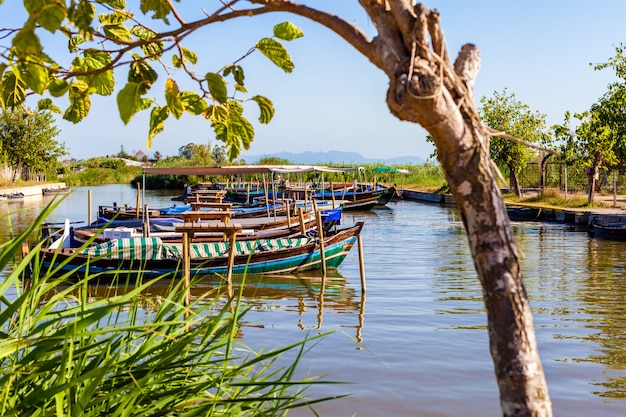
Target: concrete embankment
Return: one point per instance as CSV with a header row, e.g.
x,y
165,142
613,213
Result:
x,y
32,190
535,212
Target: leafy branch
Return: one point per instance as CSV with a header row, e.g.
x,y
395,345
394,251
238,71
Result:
x,y
102,34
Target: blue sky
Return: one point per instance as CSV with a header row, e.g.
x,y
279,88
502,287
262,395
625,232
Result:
x,y
335,99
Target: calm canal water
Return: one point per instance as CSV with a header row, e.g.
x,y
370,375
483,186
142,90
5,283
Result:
x,y
416,344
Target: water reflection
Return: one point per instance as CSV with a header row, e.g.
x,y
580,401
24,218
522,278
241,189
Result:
x,y
604,295
308,297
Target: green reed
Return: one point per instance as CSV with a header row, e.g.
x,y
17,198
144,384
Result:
x,y
63,353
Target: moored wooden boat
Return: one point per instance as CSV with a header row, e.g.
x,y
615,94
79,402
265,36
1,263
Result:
x,y
151,257
164,228
611,231
14,196
55,191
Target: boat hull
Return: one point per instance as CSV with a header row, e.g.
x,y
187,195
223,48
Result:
x,y
289,260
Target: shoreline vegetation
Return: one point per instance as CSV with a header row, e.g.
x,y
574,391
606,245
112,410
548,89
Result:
x,y
426,177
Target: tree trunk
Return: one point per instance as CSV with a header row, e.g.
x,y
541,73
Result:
x,y
543,168
425,88
593,173
514,182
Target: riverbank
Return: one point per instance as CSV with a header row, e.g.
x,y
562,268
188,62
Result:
x,y
608,208
30,190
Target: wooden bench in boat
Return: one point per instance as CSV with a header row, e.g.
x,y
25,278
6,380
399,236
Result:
x,y
197,205
230,231
195,215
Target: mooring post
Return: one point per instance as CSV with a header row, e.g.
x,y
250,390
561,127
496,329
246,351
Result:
x,y
361,262
187,267
320,232
231,256
138,203
88,207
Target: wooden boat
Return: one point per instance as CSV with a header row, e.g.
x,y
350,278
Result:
x,y
241,211
611,231
165,229
521,213
361,199
55,191
151,257
14,196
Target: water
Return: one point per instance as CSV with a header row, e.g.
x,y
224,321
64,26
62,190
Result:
x,y
416,343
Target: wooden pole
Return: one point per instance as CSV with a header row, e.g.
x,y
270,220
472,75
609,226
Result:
x,y
231,257
614,189
565,175
88,207
361,262
301,217
187,267
146,230
332,193
320,232
138,204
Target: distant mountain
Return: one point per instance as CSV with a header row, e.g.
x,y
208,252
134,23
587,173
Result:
x,y
335,157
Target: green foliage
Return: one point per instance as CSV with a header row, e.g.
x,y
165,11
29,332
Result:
x,y
100,33
100,176
27,141
273,160
503,112
65,352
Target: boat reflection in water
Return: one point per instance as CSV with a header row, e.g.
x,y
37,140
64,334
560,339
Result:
x,y
300,294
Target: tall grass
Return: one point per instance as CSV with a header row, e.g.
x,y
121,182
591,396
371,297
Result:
x,y
64,354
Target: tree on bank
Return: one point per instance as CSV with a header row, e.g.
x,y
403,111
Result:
x,y
505,113
425,87
598,141
27,141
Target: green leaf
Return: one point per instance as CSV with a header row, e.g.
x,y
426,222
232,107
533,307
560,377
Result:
x,y
172,98
287,31
49,14
73,43
116,4
129,101
117,32
82,16
35,76
145,104
232,128
193,102
158,115
266,107
102,83
13,91
47,104
80,102
114,18
236,71
152,50
217,114
3,67
26,42
190,56
217,87
142,73
176,61
276,53
161,9
57,87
